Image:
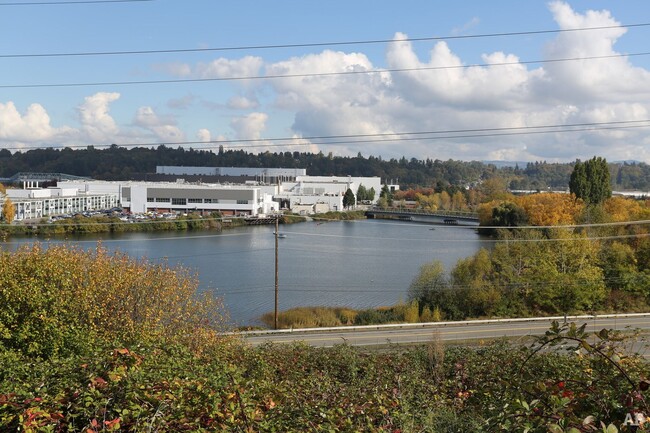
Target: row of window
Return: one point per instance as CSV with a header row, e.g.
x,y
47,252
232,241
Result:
x,y
184,201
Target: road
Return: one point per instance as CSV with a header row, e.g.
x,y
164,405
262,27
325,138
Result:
x,y
458,332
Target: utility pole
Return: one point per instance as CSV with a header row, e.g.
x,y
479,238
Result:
x,y
277,274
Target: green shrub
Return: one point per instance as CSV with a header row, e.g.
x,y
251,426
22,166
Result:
x,y
63,300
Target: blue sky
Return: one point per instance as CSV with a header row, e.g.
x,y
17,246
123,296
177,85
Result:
x,y
445,93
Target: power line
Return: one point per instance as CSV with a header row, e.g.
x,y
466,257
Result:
x,y
328,289
375,238
381,137
399,134
318,74
70,2
492,241
304,45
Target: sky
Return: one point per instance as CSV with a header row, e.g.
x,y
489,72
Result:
x,y
500,80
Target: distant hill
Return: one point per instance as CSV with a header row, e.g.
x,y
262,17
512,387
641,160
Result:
x,y
501,164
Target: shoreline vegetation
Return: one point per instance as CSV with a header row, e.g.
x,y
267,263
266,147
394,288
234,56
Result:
x,y
80,224
325,317
95,342
555,254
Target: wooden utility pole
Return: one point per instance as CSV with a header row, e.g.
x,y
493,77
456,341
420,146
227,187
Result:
x,y
277,273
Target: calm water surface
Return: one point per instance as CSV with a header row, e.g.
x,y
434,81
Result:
x,y
355,264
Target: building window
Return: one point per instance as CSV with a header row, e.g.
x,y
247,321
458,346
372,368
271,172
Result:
x,y
179,201
211,200
195,200
151,199
242,201
162,200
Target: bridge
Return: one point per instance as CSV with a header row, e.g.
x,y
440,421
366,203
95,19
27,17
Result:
x,y
419,215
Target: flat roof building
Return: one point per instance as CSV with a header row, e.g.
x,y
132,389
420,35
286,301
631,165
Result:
x,y
48,202
142,197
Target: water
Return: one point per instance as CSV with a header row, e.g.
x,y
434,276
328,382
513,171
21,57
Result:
x,y
356,264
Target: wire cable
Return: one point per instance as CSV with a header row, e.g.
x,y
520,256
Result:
x,y
306,45
380,137
71,2
311,75
366,238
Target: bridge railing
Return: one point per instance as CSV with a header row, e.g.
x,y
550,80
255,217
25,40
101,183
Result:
x,y
458,214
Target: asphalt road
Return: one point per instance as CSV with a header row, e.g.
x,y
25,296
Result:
x,y
458,332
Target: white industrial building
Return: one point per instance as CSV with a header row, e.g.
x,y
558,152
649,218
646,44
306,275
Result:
x,y
316,194
40,203
298,192
142,197
302,194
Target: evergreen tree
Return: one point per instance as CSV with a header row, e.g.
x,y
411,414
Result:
x,y
348,199
371,194
362,193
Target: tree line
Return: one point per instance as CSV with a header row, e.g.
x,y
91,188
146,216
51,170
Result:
x,y
119,163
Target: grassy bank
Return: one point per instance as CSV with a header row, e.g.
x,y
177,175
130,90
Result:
x,y
292,219
113,224
340,216
313,317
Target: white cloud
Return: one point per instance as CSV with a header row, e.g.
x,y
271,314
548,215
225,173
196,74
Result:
x,y
248,66
445,79
96,122
611,79
442,95
33,125
249,127
203,135
163,129
239,102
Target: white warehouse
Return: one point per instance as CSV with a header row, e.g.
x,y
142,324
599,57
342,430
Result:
x,y
141,197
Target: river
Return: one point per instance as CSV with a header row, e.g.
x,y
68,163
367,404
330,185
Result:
x,y
358,264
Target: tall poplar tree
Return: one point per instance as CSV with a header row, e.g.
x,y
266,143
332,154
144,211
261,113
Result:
x,y
590,180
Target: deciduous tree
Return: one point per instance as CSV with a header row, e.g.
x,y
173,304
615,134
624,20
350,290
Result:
x,y
590,180
547,209
8,210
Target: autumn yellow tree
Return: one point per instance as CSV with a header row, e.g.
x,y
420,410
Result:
x,y
458,202
494,188
549,209
445,200
622,209
8,210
